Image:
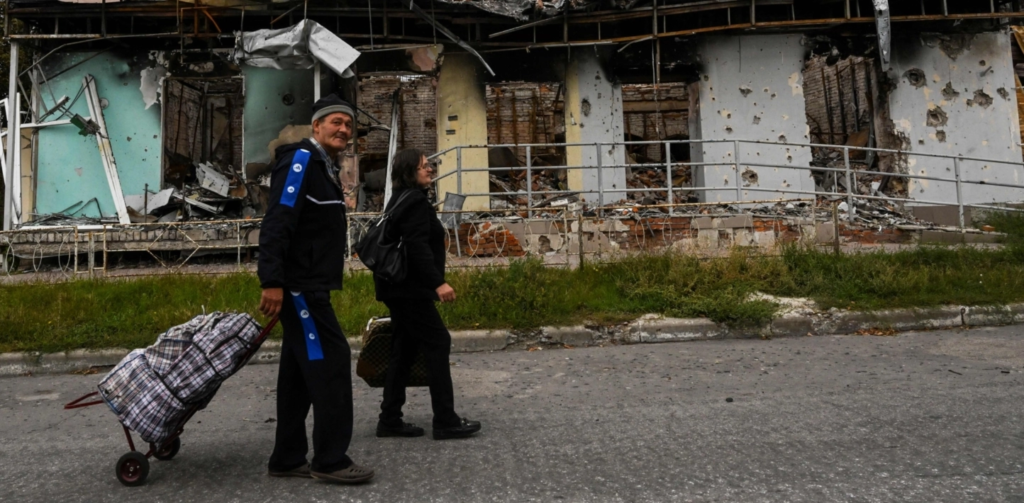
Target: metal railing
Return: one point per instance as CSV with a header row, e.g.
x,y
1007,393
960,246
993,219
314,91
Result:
x,y
736,165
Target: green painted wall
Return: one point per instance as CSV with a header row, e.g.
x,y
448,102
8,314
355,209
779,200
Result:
x,y
266,113
69,166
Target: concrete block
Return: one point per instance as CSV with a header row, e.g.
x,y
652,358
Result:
x,y
654,328
703,223
742,221
942,237
83,358
849,322
980,316
765,238
707,238
684,245
468,341
942,215
743,237
825,232
987,237
578,335
792,326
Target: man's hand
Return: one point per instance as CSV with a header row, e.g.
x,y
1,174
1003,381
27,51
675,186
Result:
x,y
270,301
445,293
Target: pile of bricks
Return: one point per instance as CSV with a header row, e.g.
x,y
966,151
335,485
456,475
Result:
x,y
487,240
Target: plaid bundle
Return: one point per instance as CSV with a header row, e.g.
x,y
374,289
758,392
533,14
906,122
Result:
x,y
153,390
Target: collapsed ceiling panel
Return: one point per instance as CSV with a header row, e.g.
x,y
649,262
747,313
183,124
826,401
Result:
x,y
519,9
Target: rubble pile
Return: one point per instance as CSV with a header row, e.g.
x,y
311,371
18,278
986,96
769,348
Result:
x,y
192,192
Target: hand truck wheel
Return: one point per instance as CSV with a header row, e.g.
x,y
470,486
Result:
x,y
168,450
132,469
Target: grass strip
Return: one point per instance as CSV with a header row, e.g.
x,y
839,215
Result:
x,y
52,317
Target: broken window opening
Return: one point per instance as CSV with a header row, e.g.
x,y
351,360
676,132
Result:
x,y
202,125
845,106
656,113
525,113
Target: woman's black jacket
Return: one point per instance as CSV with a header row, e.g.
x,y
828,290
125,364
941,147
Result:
x,y
415,221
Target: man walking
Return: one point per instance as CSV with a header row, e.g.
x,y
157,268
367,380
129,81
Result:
x,y
301,259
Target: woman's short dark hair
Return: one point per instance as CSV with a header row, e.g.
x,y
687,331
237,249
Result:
x,y
403,169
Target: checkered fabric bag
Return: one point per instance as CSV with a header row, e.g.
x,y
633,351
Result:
x,y
375,355
153,390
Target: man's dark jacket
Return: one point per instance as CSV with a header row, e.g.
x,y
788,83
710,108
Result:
x,y
303,236
415,220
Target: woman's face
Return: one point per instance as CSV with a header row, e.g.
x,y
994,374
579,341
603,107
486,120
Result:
x,y
424,173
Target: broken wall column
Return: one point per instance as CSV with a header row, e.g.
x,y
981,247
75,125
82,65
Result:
x,y
955,96
750,88
593,114
462,121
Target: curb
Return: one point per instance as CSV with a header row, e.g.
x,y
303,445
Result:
x,y
648,329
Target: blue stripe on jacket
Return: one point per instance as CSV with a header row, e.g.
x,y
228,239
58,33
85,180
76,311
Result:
x,y
294,181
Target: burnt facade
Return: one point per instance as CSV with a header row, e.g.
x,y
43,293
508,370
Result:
x,y
610,103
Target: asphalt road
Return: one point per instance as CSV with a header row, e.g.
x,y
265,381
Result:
x,y
920,417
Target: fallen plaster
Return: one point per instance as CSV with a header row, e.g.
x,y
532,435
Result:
x,y
152,83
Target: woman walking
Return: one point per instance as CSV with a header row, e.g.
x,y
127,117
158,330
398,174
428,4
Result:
x,y
416,324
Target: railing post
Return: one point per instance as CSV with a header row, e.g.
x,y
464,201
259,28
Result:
x,y
458,168
529,182
600,184
668,177
736,159
959,194
76,251
849,184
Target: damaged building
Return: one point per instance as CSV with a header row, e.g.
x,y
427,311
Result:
x,y
150,126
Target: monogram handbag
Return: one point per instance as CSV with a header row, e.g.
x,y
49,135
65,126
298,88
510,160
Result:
x,y
385,258
375,356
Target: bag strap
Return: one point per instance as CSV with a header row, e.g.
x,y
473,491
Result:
x,y
401,198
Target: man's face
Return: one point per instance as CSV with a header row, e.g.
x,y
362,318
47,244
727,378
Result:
x,y
333,131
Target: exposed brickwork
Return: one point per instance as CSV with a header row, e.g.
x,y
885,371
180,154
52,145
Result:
x,y
417,111
836,84
671,124
524,112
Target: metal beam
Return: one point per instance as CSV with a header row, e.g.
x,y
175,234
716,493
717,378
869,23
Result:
x,y
453,37
12,139
106,153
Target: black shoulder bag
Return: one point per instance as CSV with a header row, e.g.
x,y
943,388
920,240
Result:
x,y
386,259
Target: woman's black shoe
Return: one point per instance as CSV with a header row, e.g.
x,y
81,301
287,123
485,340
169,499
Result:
x,y
463,430
405,430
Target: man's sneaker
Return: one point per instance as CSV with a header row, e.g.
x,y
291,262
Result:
x,y
405,430
301,472
354,474
463,430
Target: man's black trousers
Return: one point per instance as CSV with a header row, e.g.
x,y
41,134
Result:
x,y
417,327
315,370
